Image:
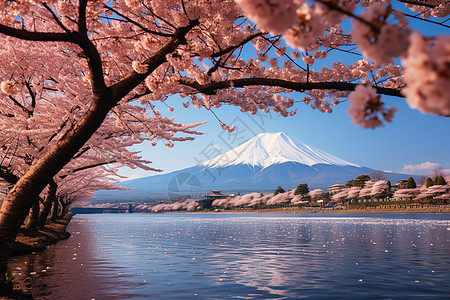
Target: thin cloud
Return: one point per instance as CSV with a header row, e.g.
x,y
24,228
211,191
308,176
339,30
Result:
x,y
420,169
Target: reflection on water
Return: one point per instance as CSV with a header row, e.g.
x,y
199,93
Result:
x,y
245,256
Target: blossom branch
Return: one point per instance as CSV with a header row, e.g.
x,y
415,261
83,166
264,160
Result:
x,y
420,3
23,108
136,23
133,79
36,36
89,49
211,88
426,20
87,167
55,17
337,8
234,47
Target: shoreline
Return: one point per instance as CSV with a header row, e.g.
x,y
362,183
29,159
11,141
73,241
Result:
x,y
32,241
29,241
437,210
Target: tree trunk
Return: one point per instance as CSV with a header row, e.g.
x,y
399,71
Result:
x,y
33,216
21,197
55,207
62,211
49,199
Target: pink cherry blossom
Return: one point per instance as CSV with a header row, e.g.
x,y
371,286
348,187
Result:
x,y
365,105
427,74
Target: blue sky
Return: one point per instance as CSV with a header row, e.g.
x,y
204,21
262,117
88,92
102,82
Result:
x,y
413,143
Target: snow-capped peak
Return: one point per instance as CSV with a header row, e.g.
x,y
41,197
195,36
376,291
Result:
x,y
267,149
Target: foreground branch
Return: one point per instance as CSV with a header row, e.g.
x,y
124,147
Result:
x,y
36,36
212,88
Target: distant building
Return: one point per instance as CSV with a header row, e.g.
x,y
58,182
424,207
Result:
x,y
401,184
216,194
335,188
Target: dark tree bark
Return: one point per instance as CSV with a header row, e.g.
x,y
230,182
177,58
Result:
x,y
49,199
33,217
63,208
55,207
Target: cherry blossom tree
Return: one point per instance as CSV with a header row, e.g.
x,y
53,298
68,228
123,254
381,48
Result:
x,y
316,194
379,189
377,175
255,199
28,112
221,202
127,55
187,204
433,192
252,199
79,186
366,191
341,196
406,194
281,198
353,193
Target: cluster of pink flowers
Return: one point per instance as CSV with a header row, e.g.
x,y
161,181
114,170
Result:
x,y
365,106
427,74
275,16
371,189
139,68
307,29
382,41
228,127
380,33
9,88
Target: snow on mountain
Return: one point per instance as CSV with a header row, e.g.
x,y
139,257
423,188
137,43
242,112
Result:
x,y
267,149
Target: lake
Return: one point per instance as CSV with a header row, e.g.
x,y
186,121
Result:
x,y
244,256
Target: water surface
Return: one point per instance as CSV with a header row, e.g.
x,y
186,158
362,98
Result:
x,y
244,256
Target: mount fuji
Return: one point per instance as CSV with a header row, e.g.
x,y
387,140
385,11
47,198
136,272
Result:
x,y
259,165
267,149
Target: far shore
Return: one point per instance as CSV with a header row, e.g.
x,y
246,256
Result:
x,y
445,209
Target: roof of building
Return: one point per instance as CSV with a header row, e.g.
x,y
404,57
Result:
x,y
336,185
